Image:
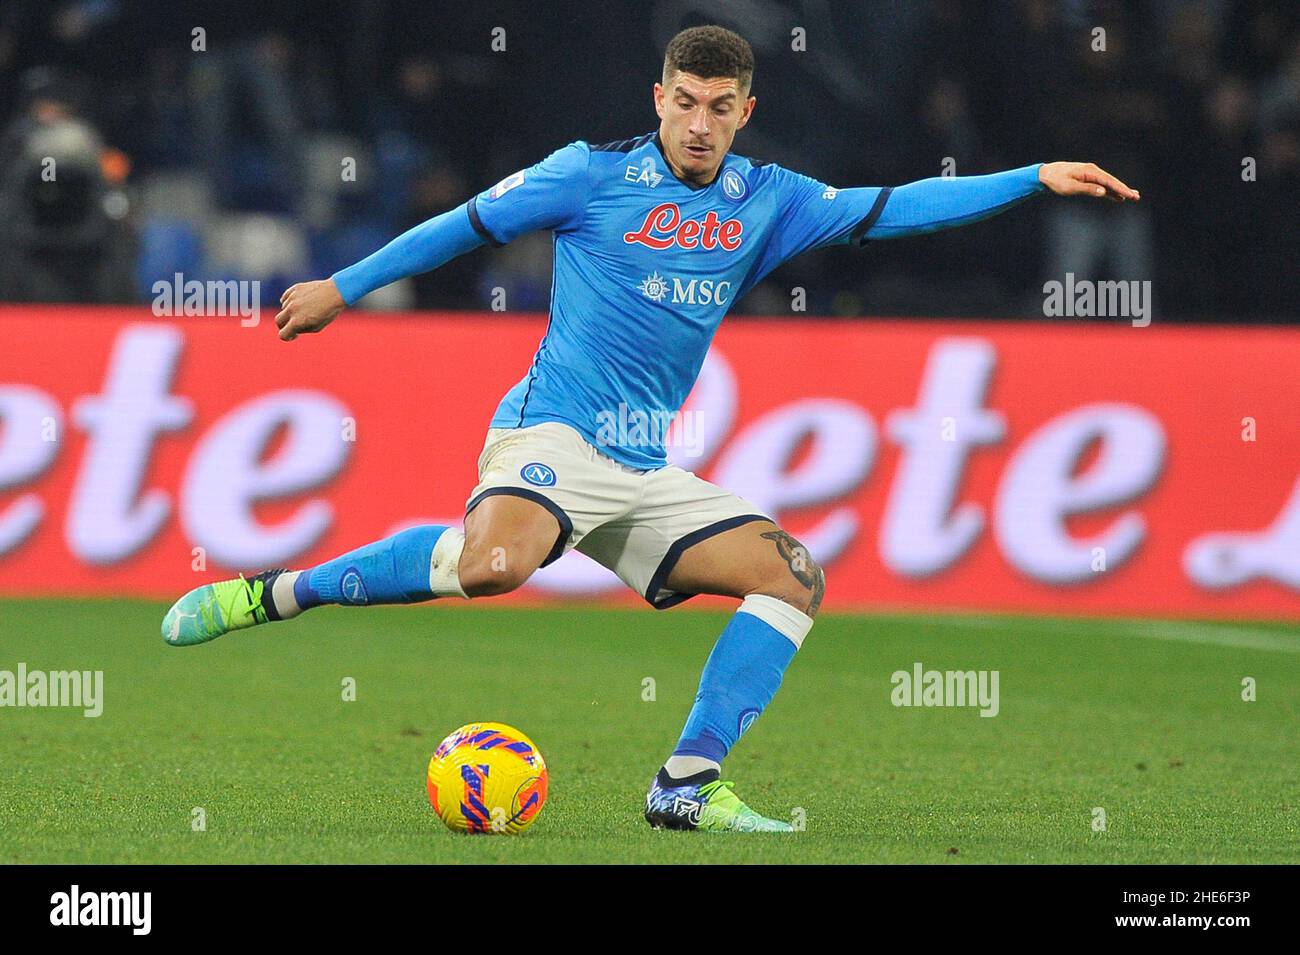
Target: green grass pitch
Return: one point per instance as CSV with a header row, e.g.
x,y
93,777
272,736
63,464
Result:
x,y
1144,719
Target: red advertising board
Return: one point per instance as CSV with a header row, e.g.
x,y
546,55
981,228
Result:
x,y
975,465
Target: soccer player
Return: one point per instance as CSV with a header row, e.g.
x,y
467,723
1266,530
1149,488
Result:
x,y
655,237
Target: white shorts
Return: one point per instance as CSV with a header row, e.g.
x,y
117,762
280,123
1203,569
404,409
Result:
x,y
636,523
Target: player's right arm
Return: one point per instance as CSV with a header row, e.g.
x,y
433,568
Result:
x,y
550,195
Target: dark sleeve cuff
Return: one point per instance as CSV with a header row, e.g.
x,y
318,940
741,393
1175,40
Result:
x,y
478,225
859,234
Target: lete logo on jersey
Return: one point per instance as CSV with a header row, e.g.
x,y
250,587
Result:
x,y
664,227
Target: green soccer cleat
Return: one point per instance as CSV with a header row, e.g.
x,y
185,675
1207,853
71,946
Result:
x,y
207,612
703,803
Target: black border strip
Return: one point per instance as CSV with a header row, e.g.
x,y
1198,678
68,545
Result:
x,y
566,525
859,234
679,547
1029,900
478,225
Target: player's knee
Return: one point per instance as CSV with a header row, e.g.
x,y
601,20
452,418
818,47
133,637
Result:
x,y
479,580
802,587
808,593
491,569
484,573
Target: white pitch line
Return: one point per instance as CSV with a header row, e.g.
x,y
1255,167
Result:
x,y
1242,638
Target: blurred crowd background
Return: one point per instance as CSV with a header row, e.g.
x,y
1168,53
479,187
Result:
x,y
227,162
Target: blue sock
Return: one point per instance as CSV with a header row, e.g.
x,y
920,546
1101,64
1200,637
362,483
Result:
x,y
394,570
740,678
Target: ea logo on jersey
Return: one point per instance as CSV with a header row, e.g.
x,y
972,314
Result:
x,y
538,474
646,174
733,186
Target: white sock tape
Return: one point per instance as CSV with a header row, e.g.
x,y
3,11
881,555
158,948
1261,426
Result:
x,y
444,578
786,620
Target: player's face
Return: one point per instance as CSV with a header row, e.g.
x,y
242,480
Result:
x,y
698,121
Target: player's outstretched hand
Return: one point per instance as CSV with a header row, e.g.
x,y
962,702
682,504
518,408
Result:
x,y
1084,179
308,307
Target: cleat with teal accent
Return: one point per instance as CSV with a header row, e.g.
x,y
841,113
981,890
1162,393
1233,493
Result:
x,y
207,612
705,803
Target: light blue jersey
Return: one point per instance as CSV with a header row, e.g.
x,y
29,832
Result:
x,y
646,266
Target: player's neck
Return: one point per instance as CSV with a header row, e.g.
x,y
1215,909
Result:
x,y
697,183
678,172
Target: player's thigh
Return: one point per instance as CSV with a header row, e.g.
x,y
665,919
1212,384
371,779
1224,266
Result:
x,y
541,490
754,558
506,539
687,536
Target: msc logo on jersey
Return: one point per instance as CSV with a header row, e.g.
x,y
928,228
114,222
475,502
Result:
x,y
733,186
664,227
646,173
506,184
654,287
537,474
695,292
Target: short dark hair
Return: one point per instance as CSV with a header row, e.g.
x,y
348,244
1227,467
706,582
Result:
x,y
709,52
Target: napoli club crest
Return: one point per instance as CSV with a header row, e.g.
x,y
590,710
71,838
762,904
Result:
x,y
733,185
538,474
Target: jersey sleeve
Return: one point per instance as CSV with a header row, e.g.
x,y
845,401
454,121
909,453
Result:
x,y
814,214
549,195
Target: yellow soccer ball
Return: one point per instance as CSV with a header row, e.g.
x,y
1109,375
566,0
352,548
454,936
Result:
x,y
487,778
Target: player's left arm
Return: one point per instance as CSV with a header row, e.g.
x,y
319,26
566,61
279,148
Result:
x,y
929,205
814,214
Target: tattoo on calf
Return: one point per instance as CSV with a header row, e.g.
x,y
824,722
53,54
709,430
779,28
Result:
x,y
801,564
